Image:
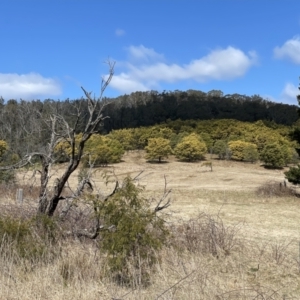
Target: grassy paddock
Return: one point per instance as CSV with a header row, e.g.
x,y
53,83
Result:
x,y
235,235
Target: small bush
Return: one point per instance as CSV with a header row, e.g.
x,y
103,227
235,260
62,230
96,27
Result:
x,y
293,175
274,189
207,234
26,238
18,235
274,155
243,151
7,176
158,148
220,148
135,237
191,148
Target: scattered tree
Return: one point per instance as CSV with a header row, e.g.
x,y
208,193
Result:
x,y
102,150
124,136
176,138
241,150
158,148
273,155
220,148
250,153
191,148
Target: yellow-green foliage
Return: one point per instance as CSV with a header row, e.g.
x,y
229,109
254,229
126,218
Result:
x,y
158,148
98,150
137,138
207,139
259,133
3,148
101,150
6,175
124,136
241,150
232,130
63,149
143,134
177,138
275,155
250,153
191,148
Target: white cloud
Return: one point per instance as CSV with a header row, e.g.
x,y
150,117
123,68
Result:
x,y
290,50
27,86
289,94
124,83
146,68
143,53
119,32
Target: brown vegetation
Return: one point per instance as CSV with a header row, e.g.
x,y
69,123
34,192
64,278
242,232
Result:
x,y
234,235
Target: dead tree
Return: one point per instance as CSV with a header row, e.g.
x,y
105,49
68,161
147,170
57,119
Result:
x,y
61,130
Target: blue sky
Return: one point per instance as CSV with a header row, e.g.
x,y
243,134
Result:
x,y
49,48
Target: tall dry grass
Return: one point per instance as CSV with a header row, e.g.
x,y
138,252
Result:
x,y
204,259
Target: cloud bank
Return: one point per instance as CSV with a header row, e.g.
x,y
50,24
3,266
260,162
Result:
x,y
289,94
27,86
289,50
146,69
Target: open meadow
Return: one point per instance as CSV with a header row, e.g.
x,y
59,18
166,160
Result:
x,y
245,213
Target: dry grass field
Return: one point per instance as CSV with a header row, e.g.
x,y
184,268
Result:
x,y
259,219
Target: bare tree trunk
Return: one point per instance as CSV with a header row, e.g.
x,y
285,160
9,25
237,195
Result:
x,y
59,130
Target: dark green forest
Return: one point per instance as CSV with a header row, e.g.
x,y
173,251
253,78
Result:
x,y
149,108
23,123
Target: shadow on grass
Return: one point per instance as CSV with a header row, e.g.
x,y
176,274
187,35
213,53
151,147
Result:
x,y
272,167
157,162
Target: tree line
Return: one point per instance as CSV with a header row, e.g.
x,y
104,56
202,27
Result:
x,y
24,128
149,108
142,109
188,140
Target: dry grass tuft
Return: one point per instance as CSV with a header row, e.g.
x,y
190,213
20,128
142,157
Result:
x,y
207,234
247,250
205,259
275,189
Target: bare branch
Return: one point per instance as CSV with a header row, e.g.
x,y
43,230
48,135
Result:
x,y
163,198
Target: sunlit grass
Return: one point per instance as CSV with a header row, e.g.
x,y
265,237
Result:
x,y
263,264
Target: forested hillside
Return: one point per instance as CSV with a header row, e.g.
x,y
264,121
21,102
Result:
x,y
24,128
149,108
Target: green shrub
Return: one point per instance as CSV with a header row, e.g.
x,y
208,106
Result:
x,y
124,137
7,176
28,239
293,175
191,148
101,150
158,148
274,155
16,237
220,148
135,237
244,151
